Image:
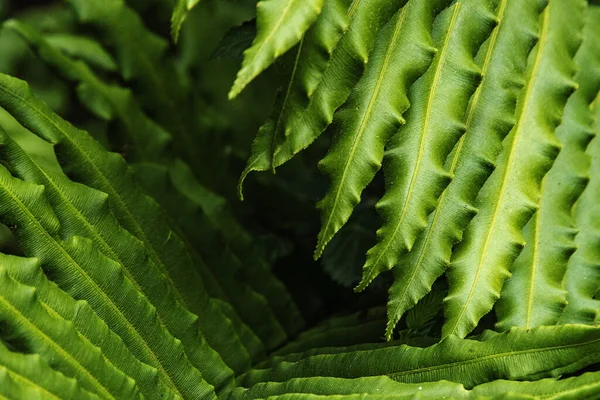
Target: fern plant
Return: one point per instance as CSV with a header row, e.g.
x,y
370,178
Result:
x,y
129,270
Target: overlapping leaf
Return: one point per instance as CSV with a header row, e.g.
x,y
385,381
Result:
x,y
29,377
329,62
281,25
517,354
487,120
493,240
373,113
415,155
34,330
535,294
582,278
87,323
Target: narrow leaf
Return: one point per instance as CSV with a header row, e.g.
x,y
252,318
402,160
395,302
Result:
x,y
535,294
373,112
280,26
493,240
415,155
488,120
517,354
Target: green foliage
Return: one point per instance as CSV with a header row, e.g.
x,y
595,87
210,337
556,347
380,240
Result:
x,y
130,270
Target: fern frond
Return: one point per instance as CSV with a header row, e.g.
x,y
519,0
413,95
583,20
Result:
x,y
82,48
107,102
281,25
111,294
360,329
366,388
373,113
256,271
535,294
27,376
312,58
322,89
140,55
487,120
516,354
216,262
84,212
582,278
586,386
29,273
493,240
33,329
415,155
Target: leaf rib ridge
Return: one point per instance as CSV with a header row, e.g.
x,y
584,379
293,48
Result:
x,y
402,53
550,234
418,150
510,197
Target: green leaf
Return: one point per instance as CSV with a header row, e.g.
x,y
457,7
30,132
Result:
x,y
582,278
108,102
280,26
493,240
415,155
29,272
182,8
141,57
488,119
535,294
367,388
27,376
256,271
92,219
516,354
330,61
586,386
83,151
83,48
24,319
373,113
218,264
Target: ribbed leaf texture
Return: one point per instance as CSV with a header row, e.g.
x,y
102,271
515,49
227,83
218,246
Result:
x,y
29,377
585,386
517,354
124,108
488,119
281,25
582,279
535,295
417,152
373,113
329,62
36,330
128,276
87,323
493,240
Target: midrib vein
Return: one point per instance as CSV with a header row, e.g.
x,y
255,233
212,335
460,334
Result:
x,y
367,115
107,300
509,165
425,130
352,10
492,357
67,356
121,205
473,107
